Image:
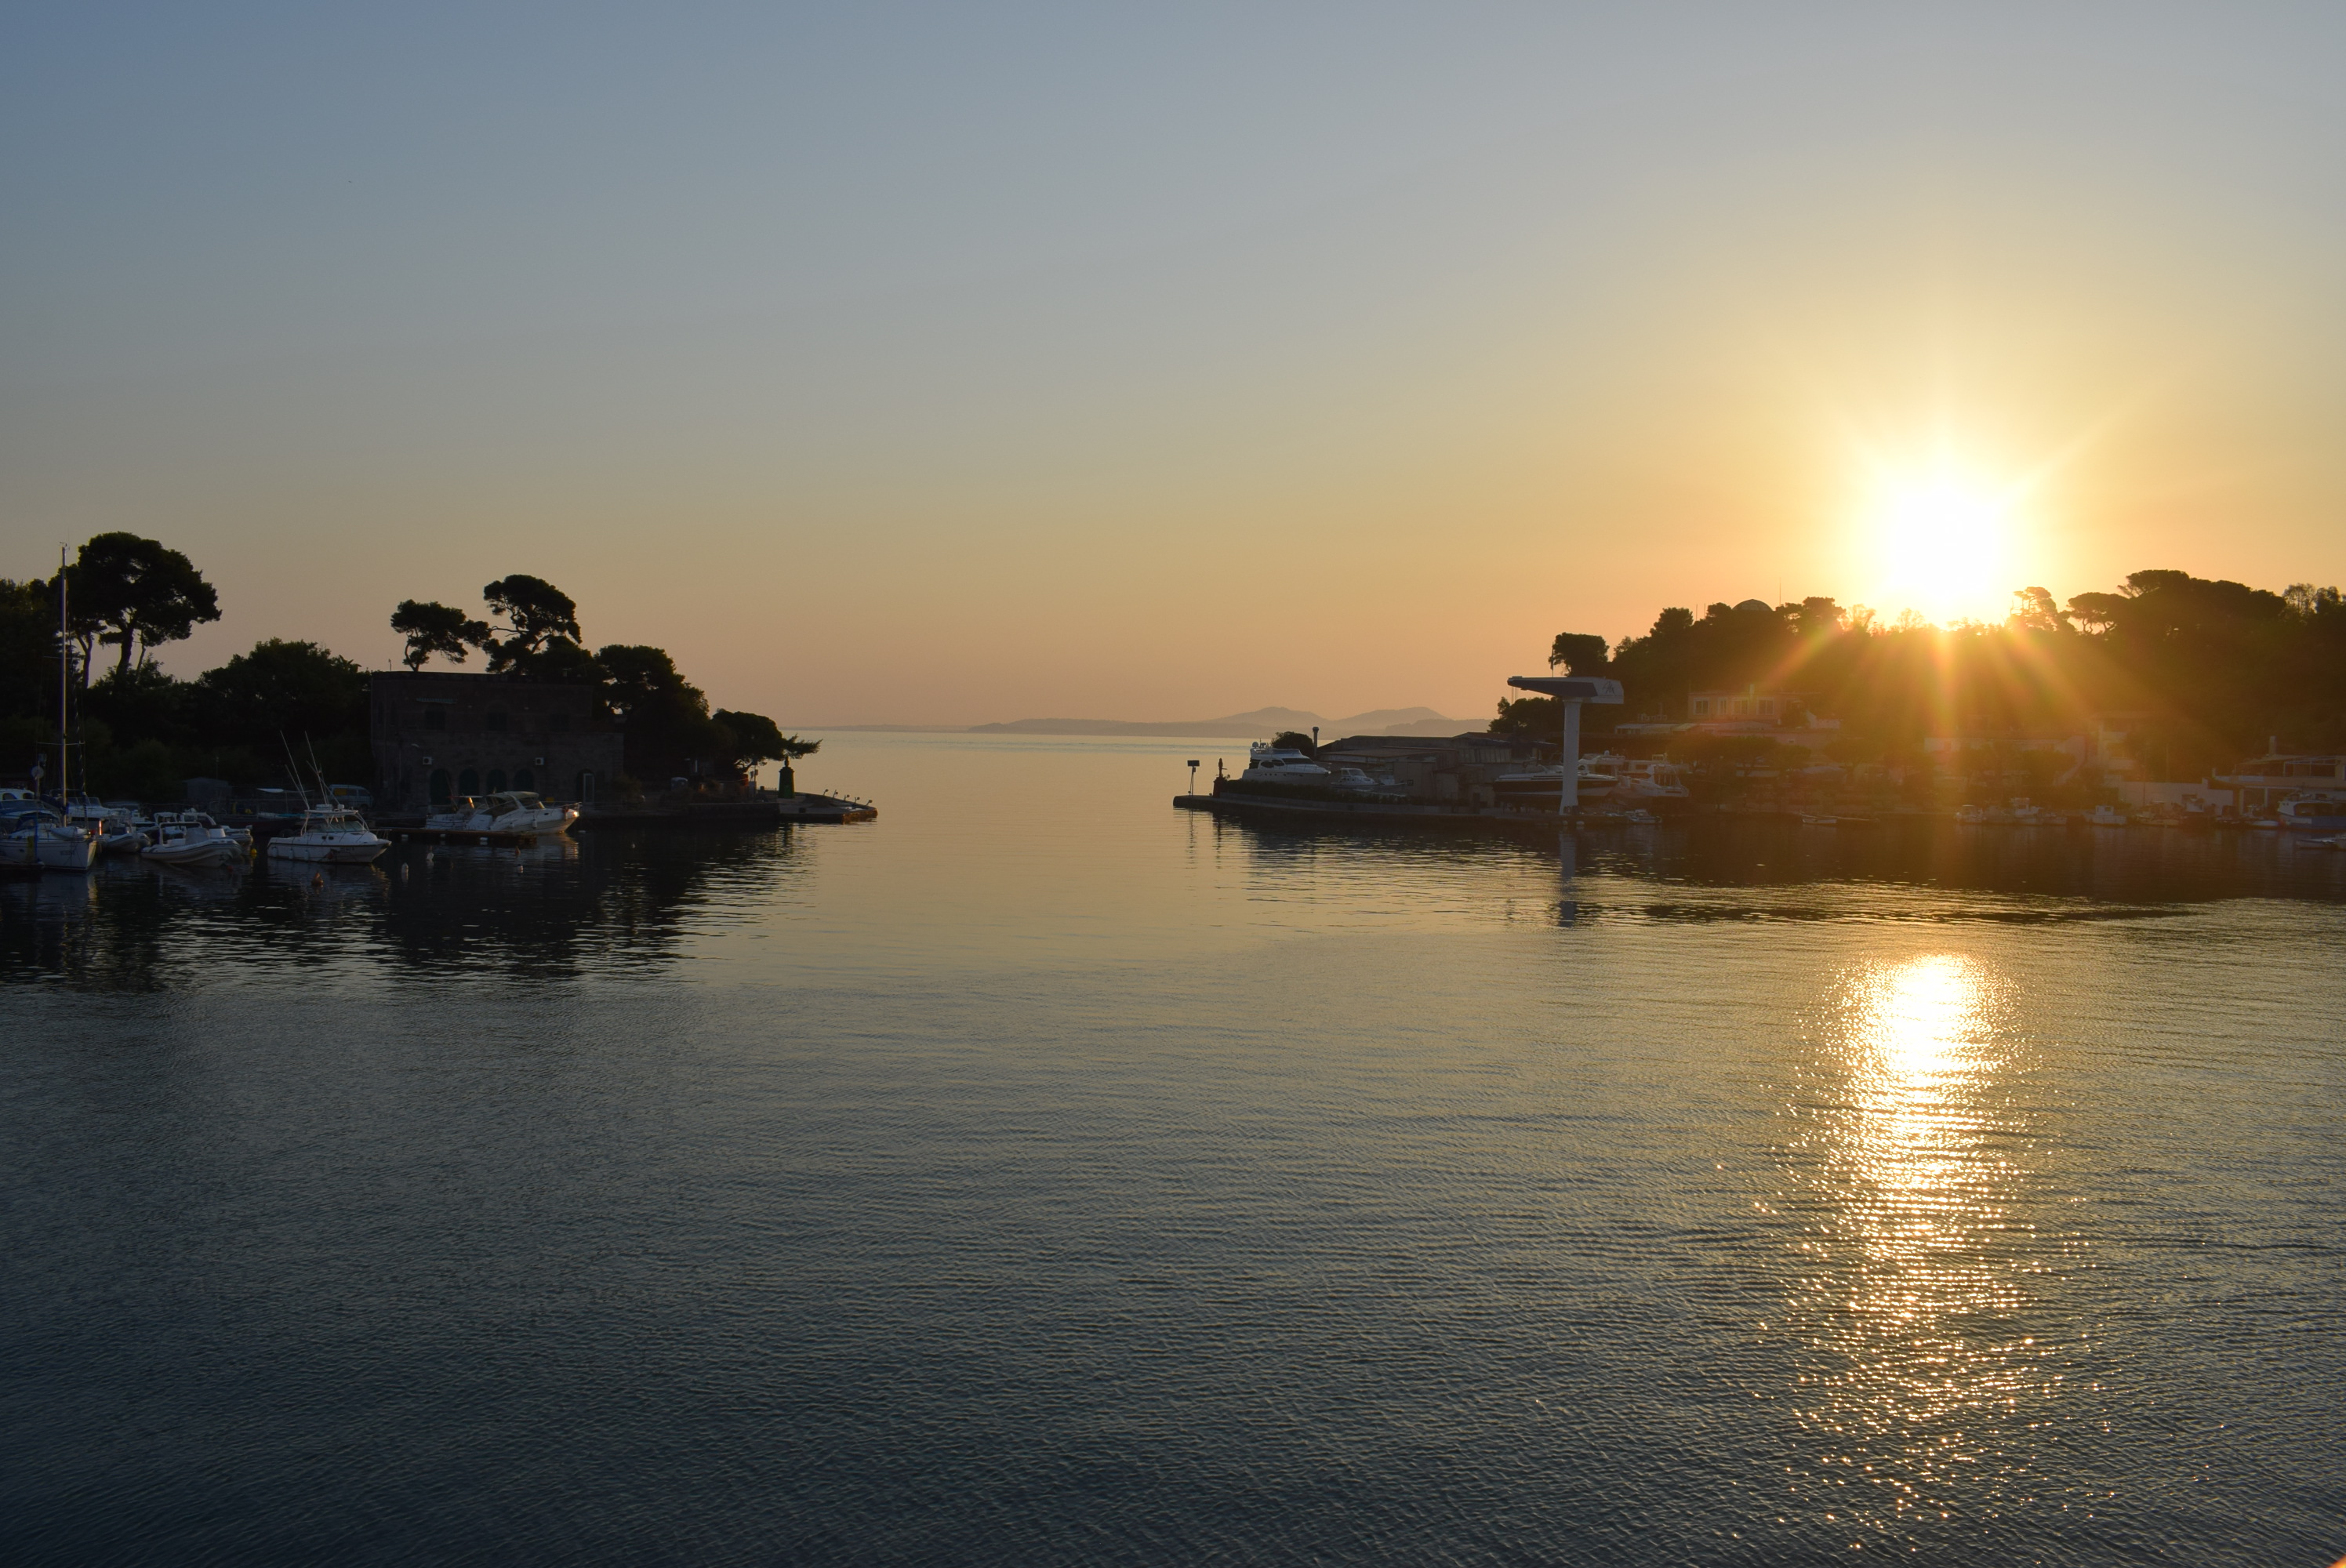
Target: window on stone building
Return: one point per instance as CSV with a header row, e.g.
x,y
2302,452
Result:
x,y
493,719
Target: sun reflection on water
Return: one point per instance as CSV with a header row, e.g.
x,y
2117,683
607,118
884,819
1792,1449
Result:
x,y
1913,1295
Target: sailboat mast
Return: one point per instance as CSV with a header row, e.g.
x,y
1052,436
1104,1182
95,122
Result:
x,y
64,663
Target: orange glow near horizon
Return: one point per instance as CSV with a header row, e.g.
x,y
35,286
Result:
x,y
1944,536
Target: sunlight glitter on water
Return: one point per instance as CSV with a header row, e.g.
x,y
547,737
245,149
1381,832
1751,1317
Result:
x,y
1921,1266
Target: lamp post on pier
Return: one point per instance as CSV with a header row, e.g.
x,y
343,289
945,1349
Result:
x,y
1571,691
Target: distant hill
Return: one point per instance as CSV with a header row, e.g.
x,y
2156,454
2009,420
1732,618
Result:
x,y
1261,724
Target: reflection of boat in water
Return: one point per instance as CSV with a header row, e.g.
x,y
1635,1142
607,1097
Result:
x,y
508,811
192,838
331,835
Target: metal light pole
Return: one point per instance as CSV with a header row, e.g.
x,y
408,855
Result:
x,y
1193,776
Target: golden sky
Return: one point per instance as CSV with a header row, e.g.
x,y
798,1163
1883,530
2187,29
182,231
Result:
x,y
925,365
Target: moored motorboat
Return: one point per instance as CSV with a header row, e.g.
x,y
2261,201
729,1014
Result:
x,y
2314,811
1652,781
1269,764
1594,782
508,811
192,838
331,835
34,837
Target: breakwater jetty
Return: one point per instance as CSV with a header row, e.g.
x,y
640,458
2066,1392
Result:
x,y
761,812
1390,813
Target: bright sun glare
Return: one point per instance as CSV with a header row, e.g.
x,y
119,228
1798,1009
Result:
x,y
1945,537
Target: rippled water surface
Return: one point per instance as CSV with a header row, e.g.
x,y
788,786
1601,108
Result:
x,y
1043,1174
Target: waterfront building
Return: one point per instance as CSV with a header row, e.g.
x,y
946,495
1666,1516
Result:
x,y
2264,782
438,735
1749,705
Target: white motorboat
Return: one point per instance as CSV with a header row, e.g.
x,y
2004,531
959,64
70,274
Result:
x,y
2314,811
510,811
2106,817
1361,781
1596,781
1268,764
329,834
115,827
34,837
192,838
1654,780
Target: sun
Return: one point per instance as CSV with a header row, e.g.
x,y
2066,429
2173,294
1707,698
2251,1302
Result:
x,y
1944,536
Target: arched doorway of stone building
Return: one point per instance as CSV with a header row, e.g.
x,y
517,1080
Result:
x,y
437,787
468,782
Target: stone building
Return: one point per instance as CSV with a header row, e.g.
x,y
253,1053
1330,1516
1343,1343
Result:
x,y
438,735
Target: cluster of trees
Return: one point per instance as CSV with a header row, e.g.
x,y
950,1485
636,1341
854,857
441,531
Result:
x,y
670,727
141,732
2205,670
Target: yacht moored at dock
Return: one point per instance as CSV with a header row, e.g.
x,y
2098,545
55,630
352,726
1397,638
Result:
x,y
509,811
193,839
1539,786
2313,812
1269,764
331,835
34,837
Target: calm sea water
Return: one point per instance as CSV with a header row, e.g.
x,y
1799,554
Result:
x,y
1041,1175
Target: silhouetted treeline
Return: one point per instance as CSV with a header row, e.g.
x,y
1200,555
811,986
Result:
x,y
141,732
2197,672
668,725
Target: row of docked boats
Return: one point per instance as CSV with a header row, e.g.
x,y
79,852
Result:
x,y
36,835
1638,783
39,835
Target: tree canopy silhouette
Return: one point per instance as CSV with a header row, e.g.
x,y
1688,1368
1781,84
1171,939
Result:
x,y
2206,670
136,593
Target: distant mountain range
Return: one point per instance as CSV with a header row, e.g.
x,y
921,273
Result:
x,y
1261,724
